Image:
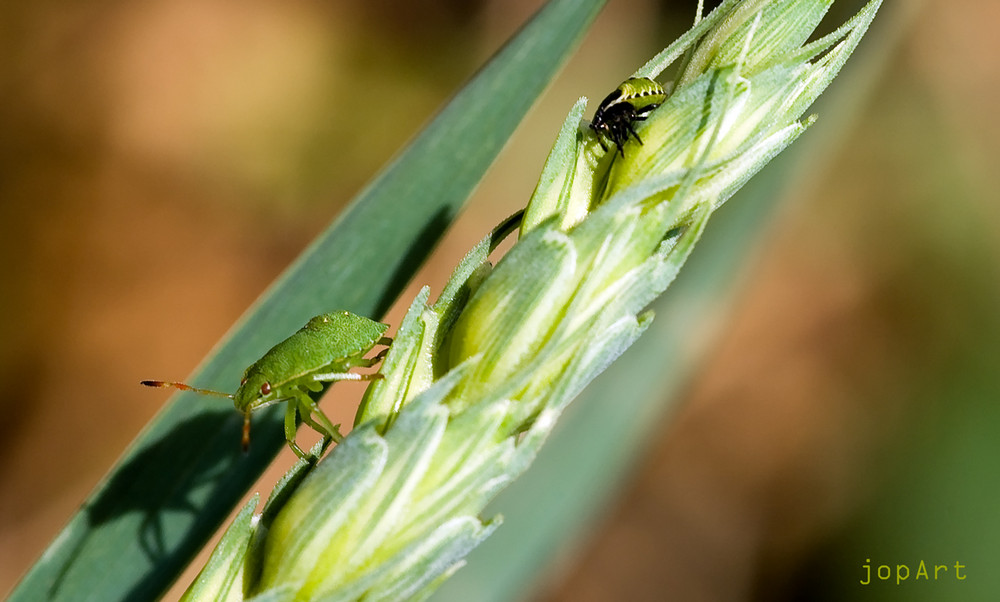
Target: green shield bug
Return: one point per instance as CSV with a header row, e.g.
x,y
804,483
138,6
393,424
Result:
x,y
324,350
632,101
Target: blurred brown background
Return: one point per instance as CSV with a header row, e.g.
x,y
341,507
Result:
x,y
162,162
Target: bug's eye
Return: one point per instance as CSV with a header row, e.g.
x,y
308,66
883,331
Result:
x,y
243,381
265,388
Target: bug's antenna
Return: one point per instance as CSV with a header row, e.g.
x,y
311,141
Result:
x,y
246,431
183,387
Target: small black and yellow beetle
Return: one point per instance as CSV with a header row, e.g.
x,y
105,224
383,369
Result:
x,y
632,101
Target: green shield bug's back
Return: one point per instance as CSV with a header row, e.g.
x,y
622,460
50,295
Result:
x,y
632,101
324,350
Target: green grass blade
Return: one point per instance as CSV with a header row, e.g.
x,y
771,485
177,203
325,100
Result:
x,y
586,460
183,475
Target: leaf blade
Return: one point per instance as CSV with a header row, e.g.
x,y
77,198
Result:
x,y
180,478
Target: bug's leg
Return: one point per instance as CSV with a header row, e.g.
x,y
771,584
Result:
x,y
387,341
378,357
367,362
619,135
290,429
630,129
309,408
363,363
333,377
600,138
328,435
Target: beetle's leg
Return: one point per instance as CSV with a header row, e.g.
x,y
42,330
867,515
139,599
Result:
x,y
290,429
637,139
619,135
644,112
600,138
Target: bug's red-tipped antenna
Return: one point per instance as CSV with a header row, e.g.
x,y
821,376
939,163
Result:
x,y
183,387
246,431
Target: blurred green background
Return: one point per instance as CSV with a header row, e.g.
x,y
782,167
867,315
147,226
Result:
x,y
162,162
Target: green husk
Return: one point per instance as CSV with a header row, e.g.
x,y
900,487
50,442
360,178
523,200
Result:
x,y
475,382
